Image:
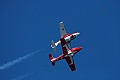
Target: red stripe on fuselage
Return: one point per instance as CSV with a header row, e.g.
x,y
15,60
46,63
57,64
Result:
x,y
67,35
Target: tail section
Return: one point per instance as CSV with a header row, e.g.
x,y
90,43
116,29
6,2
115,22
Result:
x,y
53,46
52,59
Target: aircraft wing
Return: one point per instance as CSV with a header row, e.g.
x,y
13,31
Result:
x,y
69,59
62,30
70,62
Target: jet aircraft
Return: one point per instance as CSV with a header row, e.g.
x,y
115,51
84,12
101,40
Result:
x,y
68,54
65,35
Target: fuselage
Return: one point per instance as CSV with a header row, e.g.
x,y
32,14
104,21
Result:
x,y
73,51
71,54
68,37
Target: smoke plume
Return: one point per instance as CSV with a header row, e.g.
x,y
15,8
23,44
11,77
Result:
x,y
9,64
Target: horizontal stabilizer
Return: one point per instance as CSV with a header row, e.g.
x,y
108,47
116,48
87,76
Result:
x,y
53,46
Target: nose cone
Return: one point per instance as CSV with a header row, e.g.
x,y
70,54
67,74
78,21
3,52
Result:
x,y
80,48
77,49
77,33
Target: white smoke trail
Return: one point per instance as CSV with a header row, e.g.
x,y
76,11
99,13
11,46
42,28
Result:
x,y
23,76
9,64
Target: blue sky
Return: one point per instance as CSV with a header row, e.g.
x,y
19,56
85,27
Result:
x,y
29,25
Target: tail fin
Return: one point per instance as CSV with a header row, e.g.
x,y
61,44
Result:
x,y
53,46
52,58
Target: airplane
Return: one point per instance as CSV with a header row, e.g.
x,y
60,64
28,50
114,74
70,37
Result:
x,y
65,35
68,54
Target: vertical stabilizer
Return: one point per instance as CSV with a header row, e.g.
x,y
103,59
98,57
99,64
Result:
x,y
52,59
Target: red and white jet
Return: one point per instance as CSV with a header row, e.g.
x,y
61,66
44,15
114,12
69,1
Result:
x,y
68,54
65,35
